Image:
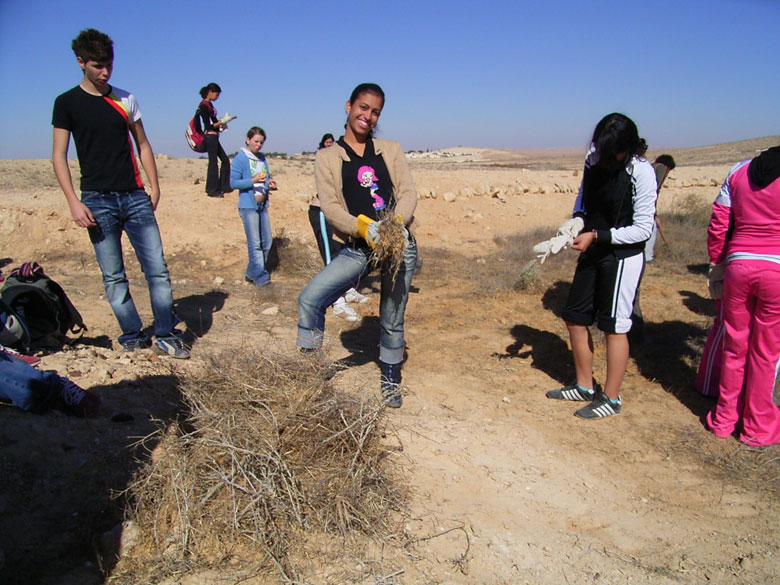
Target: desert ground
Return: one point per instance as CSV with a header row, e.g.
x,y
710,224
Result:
x,y
504,486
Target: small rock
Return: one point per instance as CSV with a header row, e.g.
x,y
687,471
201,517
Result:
x,y
505,399
270,310
218,280
449,197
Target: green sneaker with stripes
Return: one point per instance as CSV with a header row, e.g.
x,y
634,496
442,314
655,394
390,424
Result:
x,y
601,407
572,392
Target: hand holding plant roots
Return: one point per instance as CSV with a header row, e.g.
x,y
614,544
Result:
x,y
391,241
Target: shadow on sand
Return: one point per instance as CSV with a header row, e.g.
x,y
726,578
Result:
x,y
63,479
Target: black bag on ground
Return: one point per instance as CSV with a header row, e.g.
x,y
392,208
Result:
x,y
42,305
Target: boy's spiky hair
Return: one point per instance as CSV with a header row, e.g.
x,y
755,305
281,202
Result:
x,y
93,45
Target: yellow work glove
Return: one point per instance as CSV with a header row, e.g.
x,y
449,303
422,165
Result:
x,y
363,221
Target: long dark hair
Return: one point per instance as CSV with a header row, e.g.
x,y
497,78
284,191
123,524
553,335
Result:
x,y
323,139
617,134
204,91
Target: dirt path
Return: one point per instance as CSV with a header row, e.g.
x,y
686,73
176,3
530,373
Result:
x,y
507,486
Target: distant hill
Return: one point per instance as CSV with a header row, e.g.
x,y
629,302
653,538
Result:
x,y
718,154
569,158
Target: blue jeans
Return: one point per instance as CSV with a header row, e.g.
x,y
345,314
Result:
x,y
344,272
131,212
257,227
24,386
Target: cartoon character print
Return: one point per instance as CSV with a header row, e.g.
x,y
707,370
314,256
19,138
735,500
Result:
x,y
259,166
368,179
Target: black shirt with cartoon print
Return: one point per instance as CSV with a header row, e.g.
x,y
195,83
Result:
x,y
367,187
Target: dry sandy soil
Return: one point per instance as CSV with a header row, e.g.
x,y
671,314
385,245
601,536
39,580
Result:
x,y
506,486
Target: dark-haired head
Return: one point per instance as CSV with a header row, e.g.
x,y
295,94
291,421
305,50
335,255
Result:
x,y
93,45
254,131
204,91
355,103
666,160
617,140
324,139
372,88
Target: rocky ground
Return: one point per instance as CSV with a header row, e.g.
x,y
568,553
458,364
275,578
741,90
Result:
x,y
507,487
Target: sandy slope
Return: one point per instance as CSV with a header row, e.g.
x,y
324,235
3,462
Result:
x,y
513,485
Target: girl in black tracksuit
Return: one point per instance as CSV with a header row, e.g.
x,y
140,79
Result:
x,y
612,220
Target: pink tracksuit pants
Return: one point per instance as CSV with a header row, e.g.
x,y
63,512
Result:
x,y
751,349
708,374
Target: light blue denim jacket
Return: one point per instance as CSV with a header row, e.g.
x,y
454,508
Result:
x,y
241,179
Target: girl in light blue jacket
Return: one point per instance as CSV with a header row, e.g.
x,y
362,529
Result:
x,y
251,176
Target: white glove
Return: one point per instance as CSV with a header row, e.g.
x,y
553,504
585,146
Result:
x,y
551,246
715,279
571,227
373,234
225,119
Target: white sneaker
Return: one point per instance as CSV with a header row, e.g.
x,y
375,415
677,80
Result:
x,y
343,310
353,296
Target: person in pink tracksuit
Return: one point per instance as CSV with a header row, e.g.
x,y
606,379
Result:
x,y
743,241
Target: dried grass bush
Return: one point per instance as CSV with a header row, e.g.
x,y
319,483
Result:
x,y
684,230
389,250
296,258
269,451
514,266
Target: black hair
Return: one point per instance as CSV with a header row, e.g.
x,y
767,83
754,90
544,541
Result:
x,y
372,88
254,131
204,91
667,161
93,45
617,134
323,139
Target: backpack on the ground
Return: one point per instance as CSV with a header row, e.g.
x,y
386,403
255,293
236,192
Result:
x,y
13,331
42,306
195,138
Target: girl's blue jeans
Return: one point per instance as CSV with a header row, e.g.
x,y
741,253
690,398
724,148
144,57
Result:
x,y
257,227
344,272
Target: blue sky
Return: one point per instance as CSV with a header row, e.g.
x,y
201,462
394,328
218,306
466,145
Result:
x,y
505,74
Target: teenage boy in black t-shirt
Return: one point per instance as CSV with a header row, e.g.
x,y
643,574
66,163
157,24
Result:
x,y
102,120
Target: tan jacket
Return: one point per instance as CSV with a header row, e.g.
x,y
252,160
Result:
x,y
327,175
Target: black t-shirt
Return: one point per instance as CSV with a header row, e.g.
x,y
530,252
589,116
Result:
x,y
101,132
368,189
207,116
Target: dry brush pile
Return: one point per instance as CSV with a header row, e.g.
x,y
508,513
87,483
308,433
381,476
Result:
x,y
269,452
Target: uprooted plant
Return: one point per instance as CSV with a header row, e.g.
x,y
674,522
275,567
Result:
x,y
270,450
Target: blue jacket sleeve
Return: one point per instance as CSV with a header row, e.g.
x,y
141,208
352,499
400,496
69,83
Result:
x,y
240,176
